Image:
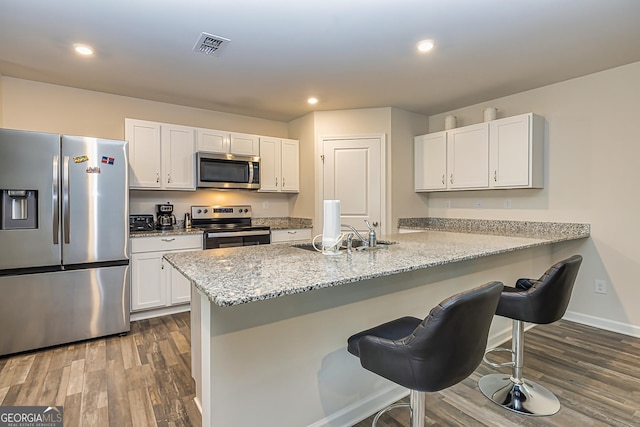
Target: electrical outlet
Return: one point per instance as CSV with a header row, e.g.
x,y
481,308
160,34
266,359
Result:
x,y
478,204
265,205
600,287
507,204
447,204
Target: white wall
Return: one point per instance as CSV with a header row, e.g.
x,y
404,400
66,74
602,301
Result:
x,y
45,107
592,175
399,128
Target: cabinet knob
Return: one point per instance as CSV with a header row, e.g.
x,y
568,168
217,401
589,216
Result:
x,y
169,178
443,179
168,240
157,176
451,179
495,176
276,181
283,182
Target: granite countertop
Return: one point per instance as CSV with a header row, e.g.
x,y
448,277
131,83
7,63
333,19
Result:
x,y
159,233
233,276
276,223
283,223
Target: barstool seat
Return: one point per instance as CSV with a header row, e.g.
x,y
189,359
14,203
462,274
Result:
x,y
539,301
430,354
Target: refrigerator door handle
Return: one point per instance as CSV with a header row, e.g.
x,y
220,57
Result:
x,y
65,198
54,202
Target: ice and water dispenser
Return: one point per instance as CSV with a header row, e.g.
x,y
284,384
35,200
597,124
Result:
x,y
19,209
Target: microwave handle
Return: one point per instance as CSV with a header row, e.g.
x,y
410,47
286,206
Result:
x,y
250,172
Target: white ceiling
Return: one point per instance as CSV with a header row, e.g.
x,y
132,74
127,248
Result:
x,y
347,53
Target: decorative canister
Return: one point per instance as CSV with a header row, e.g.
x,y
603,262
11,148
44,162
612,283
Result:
x,y
450,122
490,113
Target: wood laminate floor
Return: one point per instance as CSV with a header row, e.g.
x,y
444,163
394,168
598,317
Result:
x,y
594,373
143,379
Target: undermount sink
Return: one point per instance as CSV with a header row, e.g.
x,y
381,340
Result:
x,y
356,245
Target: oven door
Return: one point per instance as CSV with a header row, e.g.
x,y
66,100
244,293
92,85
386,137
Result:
x,y
230,239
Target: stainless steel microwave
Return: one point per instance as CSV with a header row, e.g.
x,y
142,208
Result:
x,y
227,171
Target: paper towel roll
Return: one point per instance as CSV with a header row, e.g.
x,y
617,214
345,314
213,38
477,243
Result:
x,y
331,227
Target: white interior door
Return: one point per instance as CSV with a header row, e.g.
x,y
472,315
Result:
x,y
353,173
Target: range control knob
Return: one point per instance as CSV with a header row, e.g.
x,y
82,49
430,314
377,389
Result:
x,y
199,211
206,211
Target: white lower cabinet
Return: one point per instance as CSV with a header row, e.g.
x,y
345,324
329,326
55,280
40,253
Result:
x,y
154,282
290,235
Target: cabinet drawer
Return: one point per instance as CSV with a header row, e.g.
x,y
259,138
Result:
x,y
290,235
166,243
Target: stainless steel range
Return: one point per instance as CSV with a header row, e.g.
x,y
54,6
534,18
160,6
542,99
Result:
x,y
228,226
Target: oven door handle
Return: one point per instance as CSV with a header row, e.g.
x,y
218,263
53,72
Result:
x,y
238,233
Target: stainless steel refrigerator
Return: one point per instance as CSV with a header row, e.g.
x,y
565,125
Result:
x,y
64,267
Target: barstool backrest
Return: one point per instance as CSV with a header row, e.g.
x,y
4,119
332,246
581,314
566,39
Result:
x,y
544,300
445,348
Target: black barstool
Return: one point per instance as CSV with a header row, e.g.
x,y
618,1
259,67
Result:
x,y
431,354
539,301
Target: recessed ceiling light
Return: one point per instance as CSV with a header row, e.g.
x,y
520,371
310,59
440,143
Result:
x,y
312,100
83,49
426,45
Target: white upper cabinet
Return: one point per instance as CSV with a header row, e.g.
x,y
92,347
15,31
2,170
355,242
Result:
x,y
503,153
178,161
516,152
430,161
468,157
161,156
144,153
270,164
214,141
290,166
243,144
279,165
218,141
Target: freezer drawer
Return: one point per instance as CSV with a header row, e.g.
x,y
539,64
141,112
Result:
x,y
41,310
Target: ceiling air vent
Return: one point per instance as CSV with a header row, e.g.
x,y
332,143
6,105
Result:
x,y
210,44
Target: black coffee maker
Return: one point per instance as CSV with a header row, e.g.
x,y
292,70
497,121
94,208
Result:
x,y
166,218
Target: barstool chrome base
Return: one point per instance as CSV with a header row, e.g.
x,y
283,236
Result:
x,y
527,398
416,405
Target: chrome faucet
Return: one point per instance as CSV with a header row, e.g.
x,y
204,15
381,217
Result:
x,y
371,241
364,241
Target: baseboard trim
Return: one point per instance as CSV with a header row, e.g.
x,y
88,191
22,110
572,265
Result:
x,y
198,405
158,312
607,325
363,409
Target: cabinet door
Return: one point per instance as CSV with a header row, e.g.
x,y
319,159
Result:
x,y
270,164
290,166
148,287
430,157
468,157
178,157
213,141
244,145
180,286
511,154
144,153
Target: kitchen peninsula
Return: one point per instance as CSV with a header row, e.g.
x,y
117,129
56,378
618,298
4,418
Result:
x,y
270,323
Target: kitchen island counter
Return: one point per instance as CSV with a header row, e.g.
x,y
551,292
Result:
x,y
269,324
240,275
